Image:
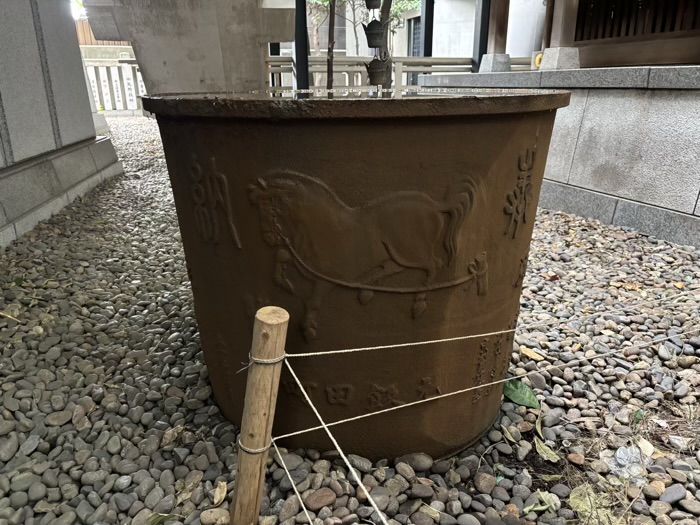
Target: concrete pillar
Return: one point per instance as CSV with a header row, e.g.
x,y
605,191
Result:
x,y
560,58
498,26
26,115
44,98
496,59
184,46
48,151
494,63
562,54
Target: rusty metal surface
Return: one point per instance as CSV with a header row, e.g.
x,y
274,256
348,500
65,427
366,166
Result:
x,y
369,231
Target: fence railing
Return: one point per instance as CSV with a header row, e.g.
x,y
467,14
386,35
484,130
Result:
x,y
350,72
118,86
115,87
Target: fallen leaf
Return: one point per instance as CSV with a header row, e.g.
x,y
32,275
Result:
x,y
545,452
535,507
551,500
551,477
631,286
538,425
646,447
680,286
170,435
220,493
430,511
183,496
520,394
160,519
531,353
425,481
660,422
187,491
507,434
592,506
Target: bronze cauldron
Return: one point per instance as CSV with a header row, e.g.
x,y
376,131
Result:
x,y
373,222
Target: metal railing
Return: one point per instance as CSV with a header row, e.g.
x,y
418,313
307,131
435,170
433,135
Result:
x,y
350,72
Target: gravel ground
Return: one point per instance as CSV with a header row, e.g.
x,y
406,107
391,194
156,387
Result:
x,y
106,414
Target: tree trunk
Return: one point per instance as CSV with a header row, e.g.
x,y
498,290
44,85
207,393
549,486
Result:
x,y
317,39
354,29
385,19
331,45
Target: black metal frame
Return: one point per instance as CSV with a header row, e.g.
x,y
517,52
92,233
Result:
x,y
301,46
427,17
481,32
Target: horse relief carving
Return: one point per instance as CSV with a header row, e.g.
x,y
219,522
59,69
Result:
x,y
403,242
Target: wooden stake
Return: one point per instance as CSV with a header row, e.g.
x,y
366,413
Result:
x,y
269,335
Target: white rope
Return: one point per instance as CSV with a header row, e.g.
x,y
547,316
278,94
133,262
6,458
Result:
x,y
261,361
252,450
487,334
401,345
325,426
284,466
335,443
574,362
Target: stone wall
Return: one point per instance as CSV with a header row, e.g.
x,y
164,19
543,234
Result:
x,y
48,149
627,149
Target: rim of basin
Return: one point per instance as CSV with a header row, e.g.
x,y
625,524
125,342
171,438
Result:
x,y
426,103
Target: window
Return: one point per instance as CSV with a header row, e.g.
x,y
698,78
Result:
x,y
415,48
414,41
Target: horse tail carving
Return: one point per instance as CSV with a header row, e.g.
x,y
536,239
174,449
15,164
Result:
x,y
457,205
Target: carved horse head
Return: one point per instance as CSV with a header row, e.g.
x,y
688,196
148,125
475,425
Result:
x,y
282,198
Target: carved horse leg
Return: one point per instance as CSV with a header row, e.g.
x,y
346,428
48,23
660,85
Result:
x,y
309,324
419,305
282,259
383,270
